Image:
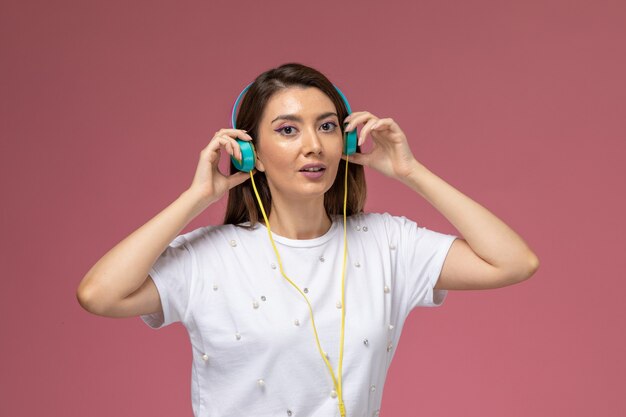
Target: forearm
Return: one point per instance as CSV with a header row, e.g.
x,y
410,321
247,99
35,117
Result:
x,y
124,268
488,236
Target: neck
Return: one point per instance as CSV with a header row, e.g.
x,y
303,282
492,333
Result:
x,y
301,219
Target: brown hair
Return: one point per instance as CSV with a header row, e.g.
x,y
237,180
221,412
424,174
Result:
x,y
242,204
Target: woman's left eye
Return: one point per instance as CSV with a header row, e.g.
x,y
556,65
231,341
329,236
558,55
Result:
x,y
334,126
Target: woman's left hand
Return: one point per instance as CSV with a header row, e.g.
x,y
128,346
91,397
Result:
x,y
390,154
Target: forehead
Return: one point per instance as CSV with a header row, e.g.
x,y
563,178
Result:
x,y
302,100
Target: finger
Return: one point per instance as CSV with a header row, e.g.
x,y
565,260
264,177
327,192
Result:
x,y
236,148
366,130
357,118
352,120
358,158
212,150
217,142
352,115
238,133
379,126
231,146
382,124
238,178
224,142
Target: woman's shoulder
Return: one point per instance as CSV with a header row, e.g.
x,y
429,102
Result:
x,y
209,232
372,217
384,222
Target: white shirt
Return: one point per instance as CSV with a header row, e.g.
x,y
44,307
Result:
x,y
254,349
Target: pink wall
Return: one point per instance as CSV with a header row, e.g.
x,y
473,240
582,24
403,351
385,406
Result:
x,y
106,105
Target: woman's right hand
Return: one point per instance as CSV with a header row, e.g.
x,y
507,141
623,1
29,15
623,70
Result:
x,y
209,184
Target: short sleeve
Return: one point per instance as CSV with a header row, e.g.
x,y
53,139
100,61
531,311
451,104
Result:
x,y
422,253
172,274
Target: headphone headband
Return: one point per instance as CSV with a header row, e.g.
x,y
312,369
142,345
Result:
x,y
232,118
233,113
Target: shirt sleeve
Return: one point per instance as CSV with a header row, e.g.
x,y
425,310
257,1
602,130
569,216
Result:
x,y
172,274
422,253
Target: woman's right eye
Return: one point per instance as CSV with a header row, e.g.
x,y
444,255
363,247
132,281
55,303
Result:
x,y
285,130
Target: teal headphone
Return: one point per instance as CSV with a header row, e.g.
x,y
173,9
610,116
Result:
x,y
247,149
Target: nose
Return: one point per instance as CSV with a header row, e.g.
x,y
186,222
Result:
x,y
311,143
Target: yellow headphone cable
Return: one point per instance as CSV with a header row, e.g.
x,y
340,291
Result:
x,y
336,381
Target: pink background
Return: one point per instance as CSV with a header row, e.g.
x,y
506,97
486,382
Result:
x,y
106,105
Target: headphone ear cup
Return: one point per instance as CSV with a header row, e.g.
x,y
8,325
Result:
x,y
248,156
350,141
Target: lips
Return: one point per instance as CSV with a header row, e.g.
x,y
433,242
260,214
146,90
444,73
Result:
x,y
313,167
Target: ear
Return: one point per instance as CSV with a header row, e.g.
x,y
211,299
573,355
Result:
x,y
258,164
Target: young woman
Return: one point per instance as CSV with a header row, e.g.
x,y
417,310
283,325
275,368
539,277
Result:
x,y
294,306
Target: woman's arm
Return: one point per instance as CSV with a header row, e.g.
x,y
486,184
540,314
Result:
x,y
118,285
492,254
124,268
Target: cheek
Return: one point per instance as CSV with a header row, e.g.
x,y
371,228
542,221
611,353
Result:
x,y
277,166
334,146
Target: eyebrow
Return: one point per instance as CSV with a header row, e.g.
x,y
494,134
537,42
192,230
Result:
x,y
299,119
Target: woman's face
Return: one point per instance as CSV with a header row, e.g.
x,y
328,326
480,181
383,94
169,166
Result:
x,y
299,143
